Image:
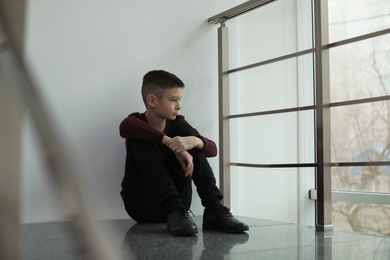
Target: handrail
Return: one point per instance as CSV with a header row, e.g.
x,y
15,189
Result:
x,y
237,10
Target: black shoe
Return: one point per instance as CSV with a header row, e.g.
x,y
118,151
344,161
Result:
x,y
181,224
219,218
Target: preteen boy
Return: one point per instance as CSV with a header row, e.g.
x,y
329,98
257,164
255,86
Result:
x,y
164,153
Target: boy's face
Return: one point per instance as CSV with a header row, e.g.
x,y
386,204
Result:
x,y
169,105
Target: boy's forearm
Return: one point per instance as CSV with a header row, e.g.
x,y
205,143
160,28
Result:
x,y
192,142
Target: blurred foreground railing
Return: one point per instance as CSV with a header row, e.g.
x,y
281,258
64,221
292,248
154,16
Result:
x,y
77,200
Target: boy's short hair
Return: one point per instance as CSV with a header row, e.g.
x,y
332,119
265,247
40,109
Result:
x,y
156,81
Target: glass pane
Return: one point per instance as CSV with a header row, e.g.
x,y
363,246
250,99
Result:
x,y
361,217
350,18
360,70
361,178
269,31
273,138
261,189
279,85
360,132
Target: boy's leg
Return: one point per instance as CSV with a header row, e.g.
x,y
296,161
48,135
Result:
x,y
215,215
140,196
182,183
149,192
203,175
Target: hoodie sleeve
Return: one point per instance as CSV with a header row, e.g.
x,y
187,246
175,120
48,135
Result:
x,y
209,149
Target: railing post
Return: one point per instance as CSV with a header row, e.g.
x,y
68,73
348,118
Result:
x,y
223,108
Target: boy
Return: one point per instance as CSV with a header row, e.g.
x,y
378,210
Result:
x,y
164,153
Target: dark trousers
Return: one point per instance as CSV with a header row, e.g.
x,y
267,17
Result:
x,y
151,184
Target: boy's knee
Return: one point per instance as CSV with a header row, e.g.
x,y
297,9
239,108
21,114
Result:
x,y
138,145
181,129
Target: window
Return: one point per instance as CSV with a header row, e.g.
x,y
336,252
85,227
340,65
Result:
x,y
360,119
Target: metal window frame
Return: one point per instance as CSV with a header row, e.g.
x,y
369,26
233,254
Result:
x,y
323,164
362,197
356,197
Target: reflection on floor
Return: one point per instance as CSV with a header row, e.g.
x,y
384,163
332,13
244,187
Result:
x,y
264,240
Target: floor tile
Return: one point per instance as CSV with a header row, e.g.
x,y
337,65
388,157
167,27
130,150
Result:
x,y
265,240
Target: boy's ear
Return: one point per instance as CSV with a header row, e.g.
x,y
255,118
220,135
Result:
x,y
151,100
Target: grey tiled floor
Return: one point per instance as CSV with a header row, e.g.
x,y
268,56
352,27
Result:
x,y
264,240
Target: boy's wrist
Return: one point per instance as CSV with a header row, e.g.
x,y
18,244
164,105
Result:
x,y
199,143
165,139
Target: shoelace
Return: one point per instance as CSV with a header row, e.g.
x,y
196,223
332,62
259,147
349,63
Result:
x,y
183,214
226,211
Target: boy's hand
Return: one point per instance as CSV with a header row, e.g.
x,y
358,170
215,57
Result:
x,y
180,144
185,159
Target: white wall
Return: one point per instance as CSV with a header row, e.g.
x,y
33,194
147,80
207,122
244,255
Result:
x,y
89,58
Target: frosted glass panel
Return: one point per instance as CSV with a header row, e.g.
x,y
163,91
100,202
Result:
x,y
268,193
273,138
271,31
275,86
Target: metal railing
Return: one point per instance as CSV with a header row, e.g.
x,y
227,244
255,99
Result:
x,y
323,164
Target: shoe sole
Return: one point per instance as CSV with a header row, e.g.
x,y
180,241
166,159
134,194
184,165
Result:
x,y
183,232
